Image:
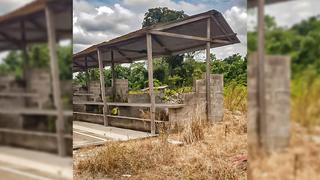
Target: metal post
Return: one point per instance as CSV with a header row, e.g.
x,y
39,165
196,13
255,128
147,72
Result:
x,y
150,79
208,94
55,80
102,88
261,121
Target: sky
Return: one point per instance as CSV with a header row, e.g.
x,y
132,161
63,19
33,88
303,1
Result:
x,y
101,20
287,13
94,19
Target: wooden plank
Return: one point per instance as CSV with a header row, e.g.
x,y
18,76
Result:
x,y
33,111
208,69
83,94
196,38
25,53
158,41
181,22
103,89
261,121
150,79
35,133
170,106
113,77
88,114
87,72
55,79
134,118
25,132
18,94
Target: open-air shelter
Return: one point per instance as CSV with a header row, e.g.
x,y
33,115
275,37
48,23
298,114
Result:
x,y
41,21
198,32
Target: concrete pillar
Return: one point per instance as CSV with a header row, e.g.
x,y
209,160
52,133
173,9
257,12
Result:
x,y
273,134
216,92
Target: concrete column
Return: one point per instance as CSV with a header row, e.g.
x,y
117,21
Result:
x,y
216,87
273,134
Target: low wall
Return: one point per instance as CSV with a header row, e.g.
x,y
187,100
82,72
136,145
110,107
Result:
x,y
195,107
195,103
35,142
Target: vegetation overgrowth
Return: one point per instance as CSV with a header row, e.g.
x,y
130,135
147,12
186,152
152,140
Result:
x,y
301,42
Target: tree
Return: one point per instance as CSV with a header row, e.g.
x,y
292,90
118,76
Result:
x,y
160,15
38,58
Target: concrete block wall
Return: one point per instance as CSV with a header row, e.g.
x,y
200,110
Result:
x,y
40,83
122,90
94,88
9,84
195,103
274,132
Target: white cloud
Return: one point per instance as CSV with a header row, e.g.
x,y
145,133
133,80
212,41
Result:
x,y
104,9
237,18
7,6
96,24
287,13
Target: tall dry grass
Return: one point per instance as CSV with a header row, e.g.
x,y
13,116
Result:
x,y
213,152
235,97
306,99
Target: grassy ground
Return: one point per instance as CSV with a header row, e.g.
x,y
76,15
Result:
x,y
299,161
216,151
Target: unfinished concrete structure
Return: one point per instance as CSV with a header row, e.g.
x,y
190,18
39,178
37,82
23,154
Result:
x,y
193,106
268,93
198,32
23,105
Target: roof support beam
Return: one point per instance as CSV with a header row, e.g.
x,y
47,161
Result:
x,y
261,121
122,54
36,24
220,27
158,41
103,89
160,33
113,77
55,80
182,22
150,79
11,39
208,74
87,72
25,52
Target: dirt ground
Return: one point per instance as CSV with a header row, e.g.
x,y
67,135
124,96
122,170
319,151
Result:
x,y
201,151
301,160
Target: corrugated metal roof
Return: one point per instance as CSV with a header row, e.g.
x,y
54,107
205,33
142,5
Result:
x,y
132,47
31,20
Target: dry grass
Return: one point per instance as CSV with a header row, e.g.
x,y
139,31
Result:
x,y
299,161
212,152
235,97
306,100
